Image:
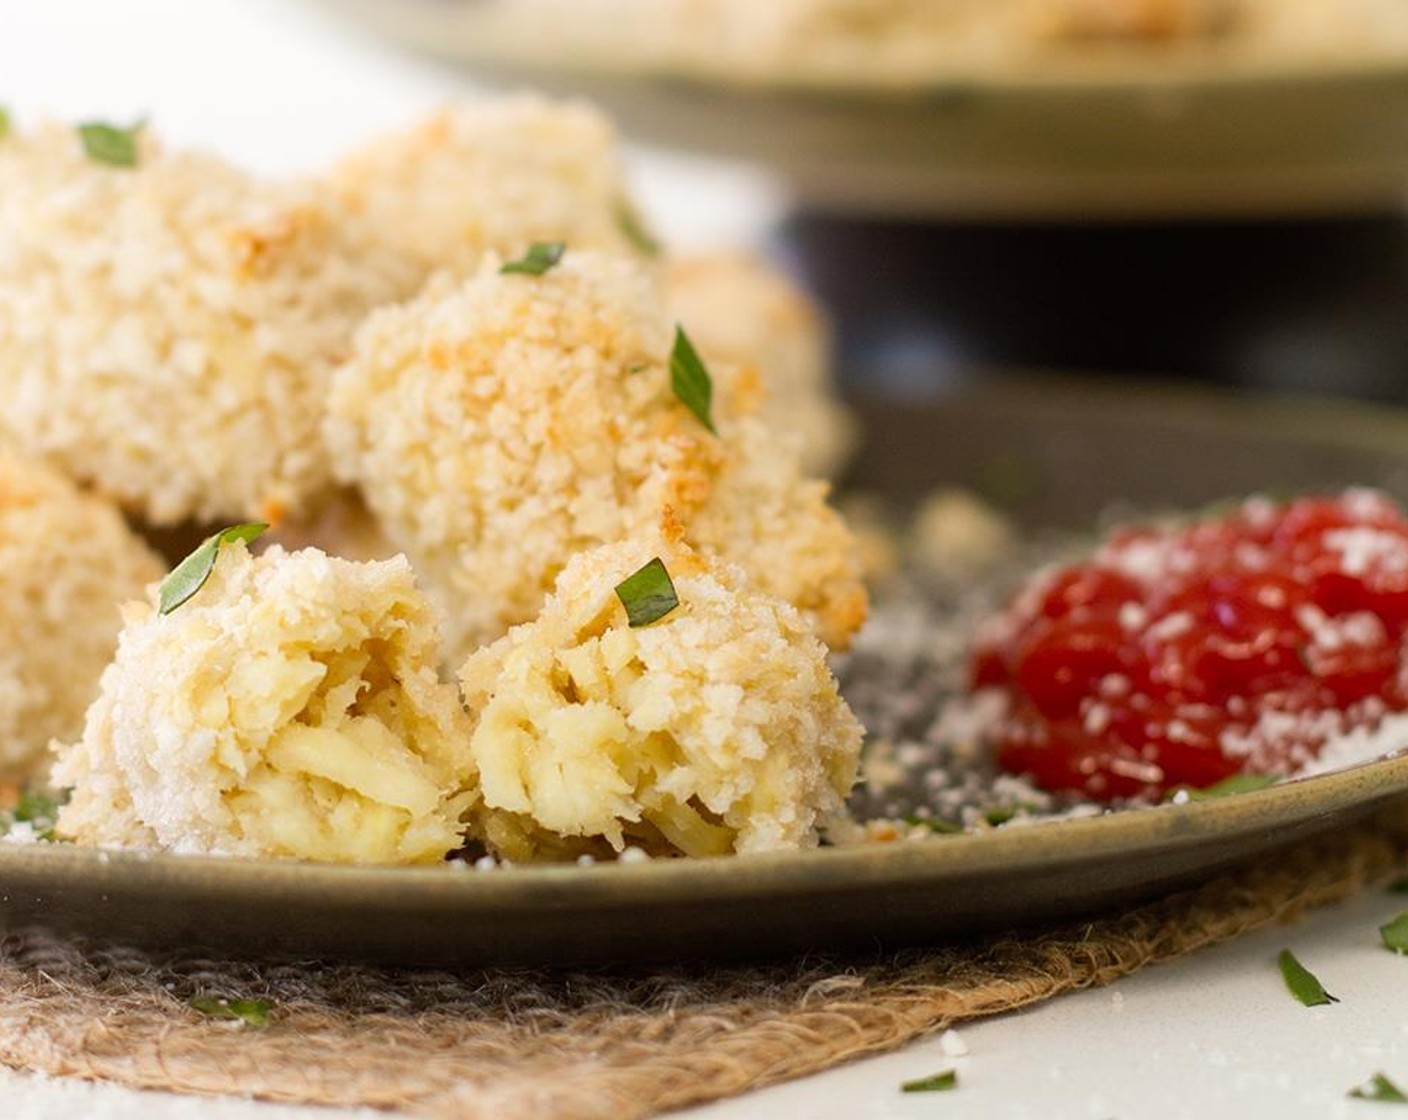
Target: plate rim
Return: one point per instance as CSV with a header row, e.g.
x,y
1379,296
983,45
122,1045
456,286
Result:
x,y
1042,844
1132,69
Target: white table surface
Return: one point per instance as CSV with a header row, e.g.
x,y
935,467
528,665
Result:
x,y
280,88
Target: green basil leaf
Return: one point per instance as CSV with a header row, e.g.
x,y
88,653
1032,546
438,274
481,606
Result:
x,y
648,594
540,257
938,1083
629,223
1395,933
1237,783
108,143
190,574
37,808
1379,1088
251,1012
691,381
1302,983
934,824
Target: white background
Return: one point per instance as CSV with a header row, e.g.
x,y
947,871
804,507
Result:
x,y
282,89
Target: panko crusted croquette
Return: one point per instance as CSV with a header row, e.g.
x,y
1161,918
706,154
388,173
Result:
x,y
166,330
718,728
746,316
291,708
500,425
66,560
490,177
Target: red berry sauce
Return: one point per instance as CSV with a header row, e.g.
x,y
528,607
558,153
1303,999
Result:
x,y
1183,656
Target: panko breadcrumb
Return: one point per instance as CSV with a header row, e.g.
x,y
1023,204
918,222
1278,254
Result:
x,y
494,176
718,728
291,708
745,315
501,425
166,330
66,560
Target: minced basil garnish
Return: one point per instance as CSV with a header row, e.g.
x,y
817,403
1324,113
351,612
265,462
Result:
x,y
190,574
541,256
1395,933
107,143
629,223
939,1083
1379,1088
648,595
691,381
251,1012
1302,983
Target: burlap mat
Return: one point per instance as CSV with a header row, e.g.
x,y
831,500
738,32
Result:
x,y
618,1046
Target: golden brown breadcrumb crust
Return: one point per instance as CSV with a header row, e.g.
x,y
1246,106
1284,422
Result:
x,y
718,728
166,330
291,708
66,560
501,425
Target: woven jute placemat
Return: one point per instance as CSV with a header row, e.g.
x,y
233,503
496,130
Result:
x,y
613,1046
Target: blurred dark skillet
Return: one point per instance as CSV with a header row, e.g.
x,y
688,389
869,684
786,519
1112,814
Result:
x,y
1055,453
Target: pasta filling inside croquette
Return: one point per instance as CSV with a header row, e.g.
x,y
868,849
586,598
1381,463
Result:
x,y
343,774
577,756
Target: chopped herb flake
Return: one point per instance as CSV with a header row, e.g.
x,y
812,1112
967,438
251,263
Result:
x,y
648,595
629,223
1001,814
252,1012
934,824
939,1083
691,381
1301,982
107,143
1237,783
37,808
541,256
190,574
1379,1088
1395,933
4,122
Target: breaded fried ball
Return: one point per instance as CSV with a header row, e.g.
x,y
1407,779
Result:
x,y
500,425
166,330
66,560
716,729
493,175
291,708
745,315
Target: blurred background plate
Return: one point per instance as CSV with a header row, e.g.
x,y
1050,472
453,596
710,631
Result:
x,y
1098,132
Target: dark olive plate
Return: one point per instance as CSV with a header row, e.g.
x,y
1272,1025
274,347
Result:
x,y
1055,455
